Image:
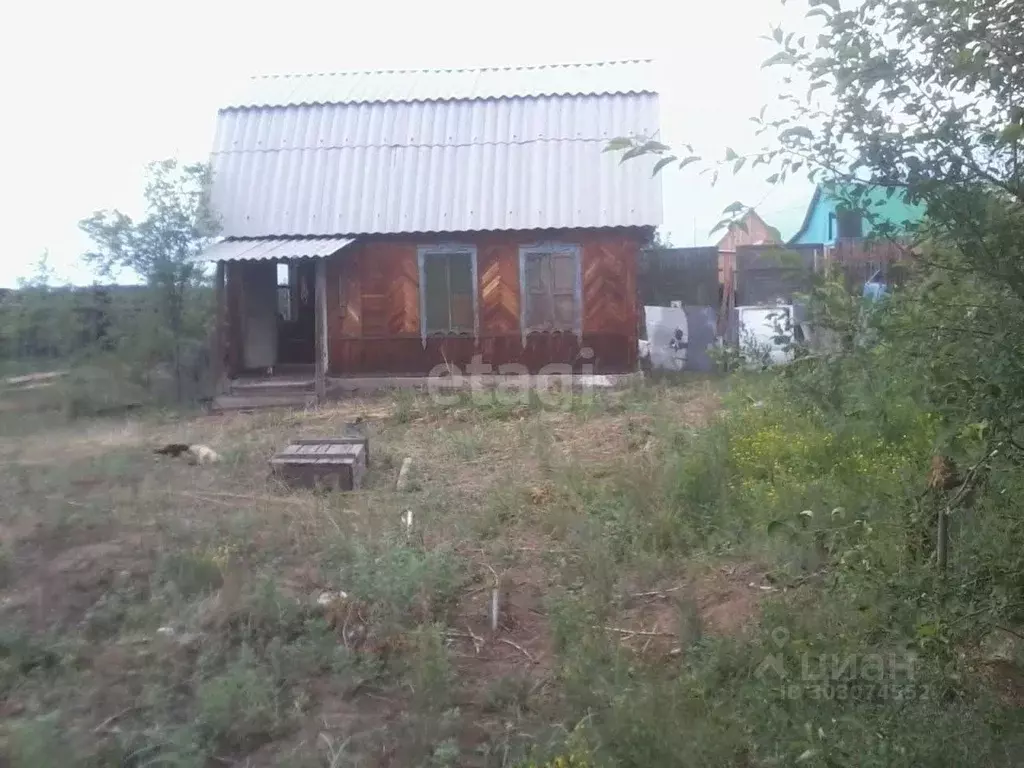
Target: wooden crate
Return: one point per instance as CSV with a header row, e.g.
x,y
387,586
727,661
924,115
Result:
x,y
331,463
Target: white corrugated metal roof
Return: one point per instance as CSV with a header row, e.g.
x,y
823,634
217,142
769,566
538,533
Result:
x,y
632,76
473,163
267,248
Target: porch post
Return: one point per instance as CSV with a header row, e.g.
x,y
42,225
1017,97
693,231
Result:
x,y
320,345
219,321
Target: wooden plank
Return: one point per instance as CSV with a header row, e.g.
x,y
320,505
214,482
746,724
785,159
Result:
x,y
321,349
353,440
498,267
607,303
403,290
219,320
233,275
329,441
350,305
254,402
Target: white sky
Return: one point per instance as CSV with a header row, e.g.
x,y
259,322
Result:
x,y
92,91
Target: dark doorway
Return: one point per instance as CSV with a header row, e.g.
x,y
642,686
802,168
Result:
x,y
296,311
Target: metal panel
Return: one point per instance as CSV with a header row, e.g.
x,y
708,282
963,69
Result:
x,y
630,76
263,249
434,167
702,325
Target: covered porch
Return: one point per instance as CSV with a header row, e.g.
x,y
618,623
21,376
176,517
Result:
x,y
271,325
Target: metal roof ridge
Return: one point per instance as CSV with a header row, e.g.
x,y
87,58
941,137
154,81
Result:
x,y
422,70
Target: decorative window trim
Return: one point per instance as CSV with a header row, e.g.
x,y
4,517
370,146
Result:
x,y
572,249
446,248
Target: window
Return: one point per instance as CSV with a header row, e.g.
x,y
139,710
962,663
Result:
x,y
447,289
831,227
550,276
849,224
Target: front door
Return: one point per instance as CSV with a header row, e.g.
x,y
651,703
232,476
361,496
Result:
x,y
259,314
297,290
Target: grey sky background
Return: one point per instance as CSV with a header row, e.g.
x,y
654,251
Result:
x,y
91,92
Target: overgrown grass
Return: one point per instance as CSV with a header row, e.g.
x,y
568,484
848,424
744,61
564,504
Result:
x,y
650,558
825,509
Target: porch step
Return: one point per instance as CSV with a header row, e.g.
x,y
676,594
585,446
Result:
x,y
254,402
271,387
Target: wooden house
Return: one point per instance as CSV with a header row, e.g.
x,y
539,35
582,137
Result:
x,y
831,219
750,229
391,222
865,230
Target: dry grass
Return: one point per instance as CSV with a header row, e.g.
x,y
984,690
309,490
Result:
x,y
153,605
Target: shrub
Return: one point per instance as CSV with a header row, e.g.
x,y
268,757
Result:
x,y
239,707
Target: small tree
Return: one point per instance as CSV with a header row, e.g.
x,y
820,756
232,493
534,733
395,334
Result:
x,y
162,248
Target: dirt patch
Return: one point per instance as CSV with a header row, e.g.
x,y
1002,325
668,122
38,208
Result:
x,y
522,642
728,598
73,444
58,590
664,618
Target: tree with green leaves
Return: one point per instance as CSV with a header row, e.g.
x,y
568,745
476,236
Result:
x,y
925,99
926,96
162,248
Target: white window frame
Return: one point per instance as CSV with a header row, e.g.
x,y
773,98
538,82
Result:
x,y
550,248
446,248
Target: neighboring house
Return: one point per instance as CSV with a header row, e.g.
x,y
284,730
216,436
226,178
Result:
x,y
749,229
826,221
391,222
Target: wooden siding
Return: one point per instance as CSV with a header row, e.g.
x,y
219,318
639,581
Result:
x,y
498,271
374,318
609,286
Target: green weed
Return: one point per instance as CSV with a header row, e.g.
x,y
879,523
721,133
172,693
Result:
x,y
239,708
401,584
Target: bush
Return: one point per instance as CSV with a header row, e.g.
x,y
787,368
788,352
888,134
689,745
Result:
x,y
402,585
238,708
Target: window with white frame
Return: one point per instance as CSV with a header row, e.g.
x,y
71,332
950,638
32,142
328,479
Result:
x,y
550,276
447,289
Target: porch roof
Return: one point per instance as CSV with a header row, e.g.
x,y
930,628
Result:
x,y
274,248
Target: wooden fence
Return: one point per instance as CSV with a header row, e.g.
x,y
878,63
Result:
x,y
861,260
687,275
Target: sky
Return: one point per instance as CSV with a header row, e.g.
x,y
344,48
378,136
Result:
x,y
93,91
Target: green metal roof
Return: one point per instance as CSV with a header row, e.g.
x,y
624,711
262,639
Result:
x,y
887,203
